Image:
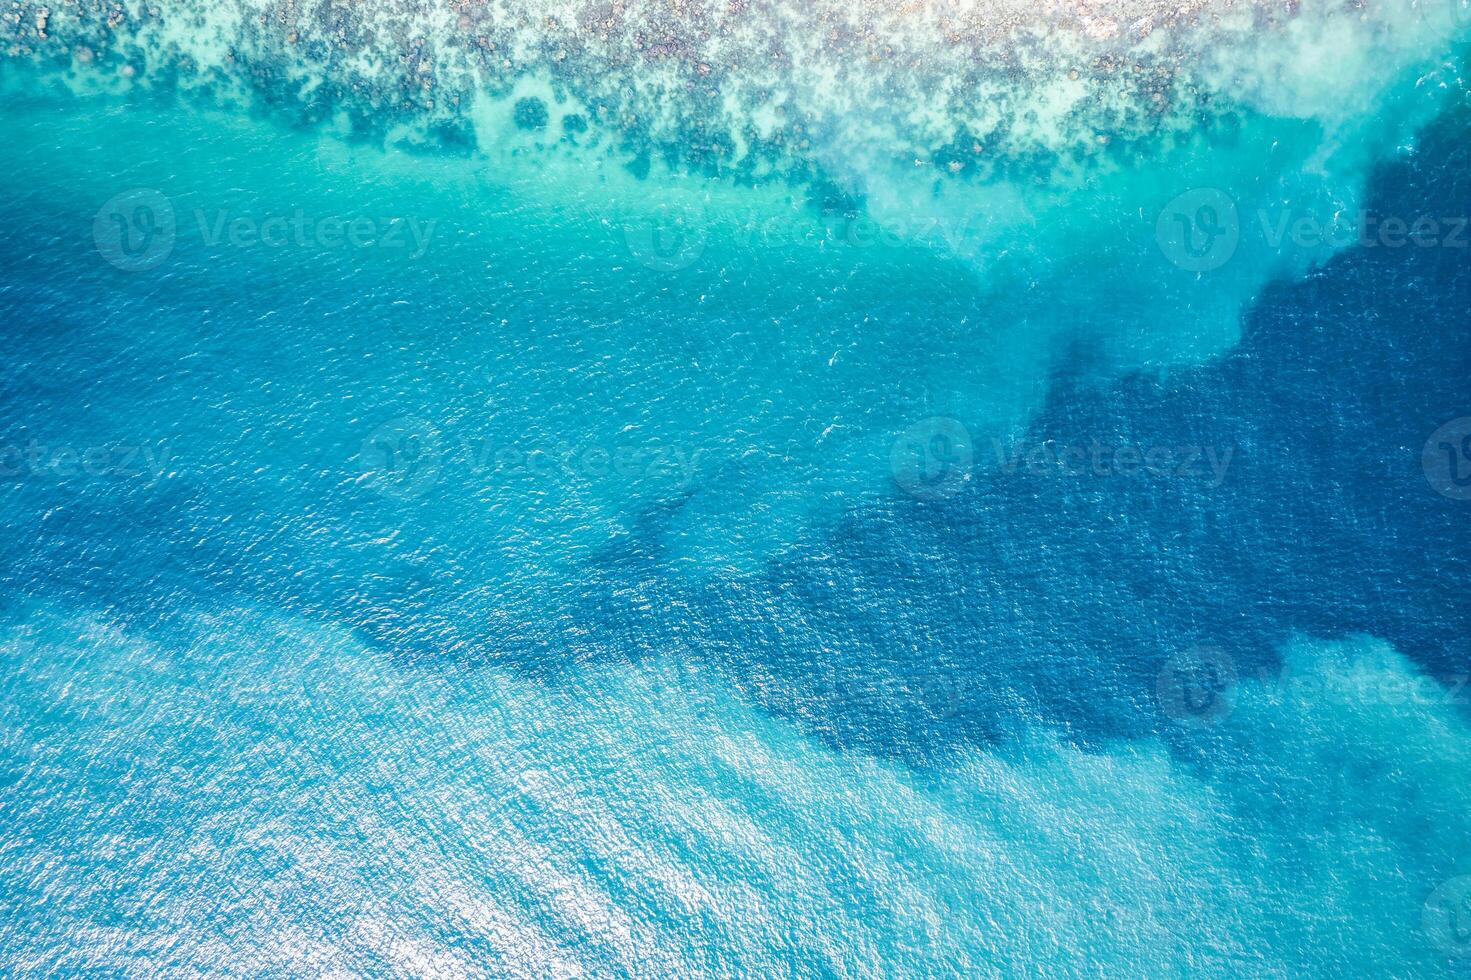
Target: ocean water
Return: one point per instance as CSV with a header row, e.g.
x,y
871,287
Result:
x,y
735,489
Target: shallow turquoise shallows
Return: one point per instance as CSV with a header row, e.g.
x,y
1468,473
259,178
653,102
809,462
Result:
x,y
475,505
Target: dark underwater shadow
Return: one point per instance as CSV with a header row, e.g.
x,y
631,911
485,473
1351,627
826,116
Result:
x,y
917,627
1034,596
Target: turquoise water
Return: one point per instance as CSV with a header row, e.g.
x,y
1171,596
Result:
x,y
700,538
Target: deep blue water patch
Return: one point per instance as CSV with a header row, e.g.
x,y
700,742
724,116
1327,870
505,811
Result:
x,y
941,623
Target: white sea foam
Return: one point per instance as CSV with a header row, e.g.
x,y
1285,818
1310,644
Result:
x,y
906,109
1053,123
973,89
1058,132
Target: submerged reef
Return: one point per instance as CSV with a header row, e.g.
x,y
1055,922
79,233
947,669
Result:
x,y
745,88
